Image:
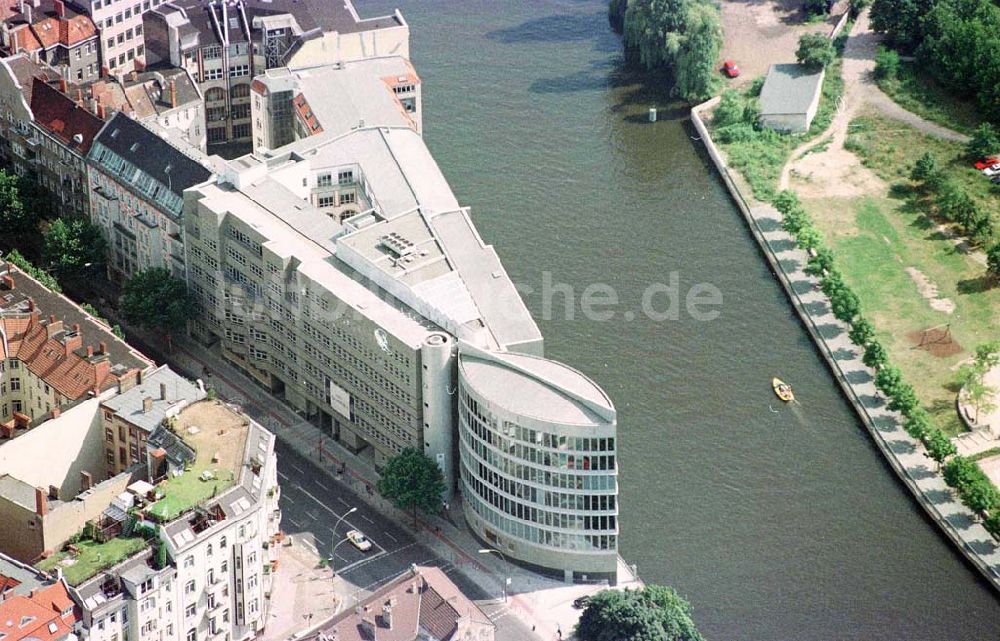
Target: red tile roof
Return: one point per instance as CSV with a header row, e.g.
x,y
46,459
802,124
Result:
x,y
64,118
47,614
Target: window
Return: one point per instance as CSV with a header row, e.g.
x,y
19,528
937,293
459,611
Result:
x,y
241,90
213,74
189,562
189,587
238,71
189,611
326,201
345,177
15,384
191,635
211,52
215,94
324,180
347,199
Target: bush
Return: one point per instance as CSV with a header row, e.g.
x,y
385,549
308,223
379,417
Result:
x,y
737,132
815,51
731,109
786,201
46,279
985,141
886,64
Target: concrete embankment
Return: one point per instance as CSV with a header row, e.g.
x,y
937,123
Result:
x,y
904,454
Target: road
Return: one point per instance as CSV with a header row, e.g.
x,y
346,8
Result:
x,y
312,502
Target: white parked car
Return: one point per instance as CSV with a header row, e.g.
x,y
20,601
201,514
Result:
x,y
359,540
992,171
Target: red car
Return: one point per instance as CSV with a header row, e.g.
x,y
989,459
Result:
x,y
730,69
986,163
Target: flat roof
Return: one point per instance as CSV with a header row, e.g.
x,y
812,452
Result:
x,y
341,97
536,387
789,89
129,405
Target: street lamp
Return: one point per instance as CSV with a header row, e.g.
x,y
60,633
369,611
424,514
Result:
x,y
334,542
506,569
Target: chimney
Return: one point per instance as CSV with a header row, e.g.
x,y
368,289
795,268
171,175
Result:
x,y
102,369
56,412
90,352
54,492
147,405
33,311
54,327
60,8
86,481
26,10
41,502
72,342
100,112
63,85
102,348
163,391
133,75
7,281
173,93
79,95
387,614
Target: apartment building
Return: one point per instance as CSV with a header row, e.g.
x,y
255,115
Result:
x,y
33,606
166,101
224,44
130,417
421,604
120,29
50,32
53,355
212,579
136,184
288,105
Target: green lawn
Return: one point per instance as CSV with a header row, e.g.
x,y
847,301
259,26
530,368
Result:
x,y
188,490
876,240
917,92
93,557
890,149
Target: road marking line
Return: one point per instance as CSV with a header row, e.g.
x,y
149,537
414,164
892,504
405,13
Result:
x,y
282,475
346,504
309,544
395,540
294,522
367,519
296,468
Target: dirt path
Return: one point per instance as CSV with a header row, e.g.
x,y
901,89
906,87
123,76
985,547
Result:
x,y
859,89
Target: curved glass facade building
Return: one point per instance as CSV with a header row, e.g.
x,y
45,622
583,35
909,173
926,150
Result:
x,y
538,465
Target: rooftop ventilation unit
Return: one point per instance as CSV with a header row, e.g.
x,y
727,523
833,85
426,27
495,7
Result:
x,y
396,244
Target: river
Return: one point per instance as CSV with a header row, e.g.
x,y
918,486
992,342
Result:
x,y
776,526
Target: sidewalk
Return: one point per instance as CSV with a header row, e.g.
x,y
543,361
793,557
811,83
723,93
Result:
x,y
542,603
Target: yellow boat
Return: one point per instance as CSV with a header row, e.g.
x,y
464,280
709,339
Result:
x,y
782,389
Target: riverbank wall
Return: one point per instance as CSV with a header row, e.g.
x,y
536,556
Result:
x,y
905,455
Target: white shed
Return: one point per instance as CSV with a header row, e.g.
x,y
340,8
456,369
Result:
x,y
790,98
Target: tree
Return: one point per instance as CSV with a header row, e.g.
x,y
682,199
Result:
x,y
808,237
861,332
981,396
14,218
820,263
939,447
815,51
888,379
786,201
682,37
74,250
696,76
816,7
925,167
904,400
985,142
980,496
918,423
961,472
855,7
875,356
412,481
155,299
731,109
653,613
845,305
900,21
993,260
616,15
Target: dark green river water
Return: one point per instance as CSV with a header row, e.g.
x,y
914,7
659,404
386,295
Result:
x,y
776,526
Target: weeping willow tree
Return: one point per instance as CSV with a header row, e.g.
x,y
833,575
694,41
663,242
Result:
x,y
682,37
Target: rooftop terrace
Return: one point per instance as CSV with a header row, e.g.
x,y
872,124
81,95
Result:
x,y
218,437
